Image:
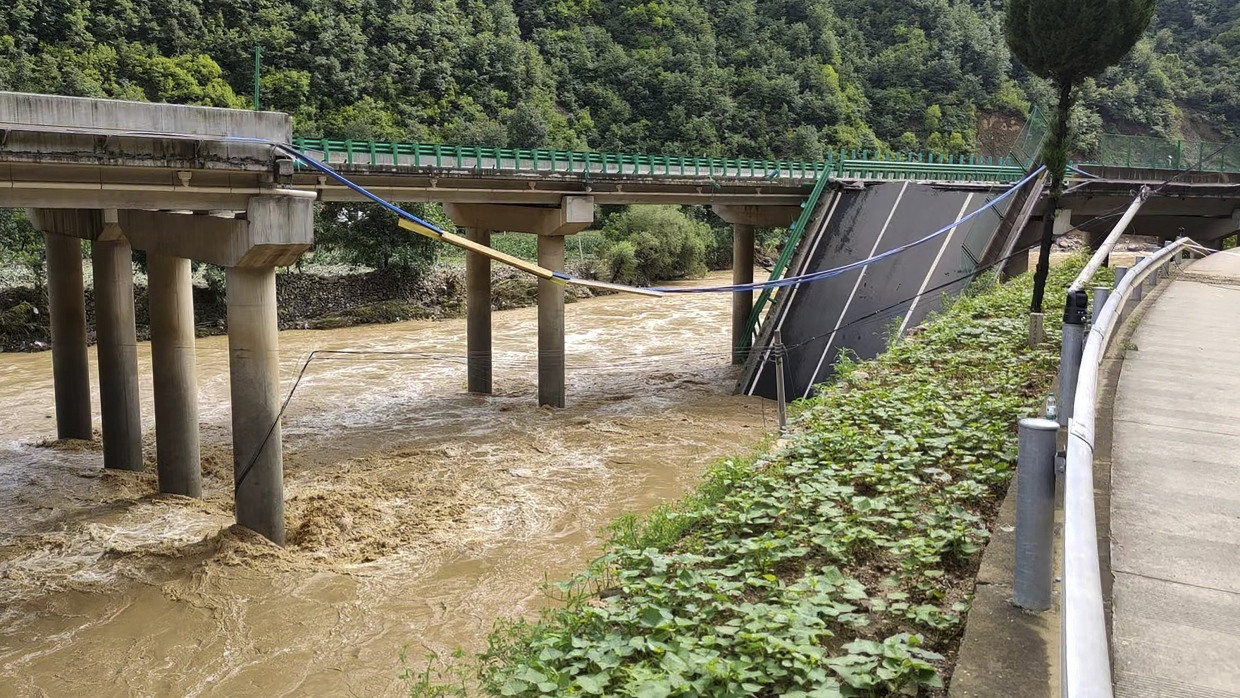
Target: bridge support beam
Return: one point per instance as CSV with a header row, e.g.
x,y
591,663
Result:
x,y
744,219
171,298
117,349
254,380
67,308
478,307
551,324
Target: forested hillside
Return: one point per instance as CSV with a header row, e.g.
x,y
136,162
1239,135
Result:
x,y
787,78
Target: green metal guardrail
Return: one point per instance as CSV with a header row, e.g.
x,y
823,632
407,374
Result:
x,y
846,164
1028,146
1117,150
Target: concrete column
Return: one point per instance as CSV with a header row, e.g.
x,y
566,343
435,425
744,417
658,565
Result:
x,y
253,362
478,304
1063,222
67,306
171,300
117,348
551,324
1017,264
742,302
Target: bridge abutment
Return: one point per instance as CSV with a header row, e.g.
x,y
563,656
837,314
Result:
x,y
175,374
117,349
478,308
67,310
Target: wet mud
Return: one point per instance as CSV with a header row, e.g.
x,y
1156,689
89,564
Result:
x,y
417,514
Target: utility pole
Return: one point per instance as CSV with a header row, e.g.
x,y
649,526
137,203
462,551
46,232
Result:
x,y
780,397
258,83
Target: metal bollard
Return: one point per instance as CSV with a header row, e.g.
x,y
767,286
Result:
x,y
1033,575
1070,351
1101,293
1120,273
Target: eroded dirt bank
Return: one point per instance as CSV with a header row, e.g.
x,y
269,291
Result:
x,y
417,514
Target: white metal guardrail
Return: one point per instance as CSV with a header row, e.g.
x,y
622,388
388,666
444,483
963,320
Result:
x,y
1085,660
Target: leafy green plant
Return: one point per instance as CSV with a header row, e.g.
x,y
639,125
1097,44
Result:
x,y
644,244
838,565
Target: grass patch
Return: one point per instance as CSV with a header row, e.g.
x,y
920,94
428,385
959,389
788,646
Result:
x,y
839,565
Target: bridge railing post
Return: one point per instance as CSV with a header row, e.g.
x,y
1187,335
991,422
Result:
x,y
1033,573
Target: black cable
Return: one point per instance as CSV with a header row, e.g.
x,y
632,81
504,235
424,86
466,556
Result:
x,y
327,354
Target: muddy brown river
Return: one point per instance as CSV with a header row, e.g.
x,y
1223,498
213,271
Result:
x,y
417,514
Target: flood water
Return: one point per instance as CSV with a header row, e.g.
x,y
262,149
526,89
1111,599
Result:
x,y
417,514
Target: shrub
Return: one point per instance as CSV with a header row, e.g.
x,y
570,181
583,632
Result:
x,y
645,244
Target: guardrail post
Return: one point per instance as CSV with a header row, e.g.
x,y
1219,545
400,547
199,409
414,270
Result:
x,y
1070,351
1100,299
1033,576
1137,288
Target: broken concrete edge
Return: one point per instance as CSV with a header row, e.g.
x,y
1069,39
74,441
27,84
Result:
x,y
19,110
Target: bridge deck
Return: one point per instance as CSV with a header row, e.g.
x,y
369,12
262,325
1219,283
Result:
x,y
1175,508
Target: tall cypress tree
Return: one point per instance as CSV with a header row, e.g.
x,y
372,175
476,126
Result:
x,y
1067,41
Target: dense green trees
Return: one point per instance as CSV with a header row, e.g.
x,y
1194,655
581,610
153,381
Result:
x,y
21,246
368,236
743,78
789,78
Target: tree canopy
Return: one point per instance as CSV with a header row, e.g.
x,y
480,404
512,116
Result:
x,y
1066,41
745,78
1069,40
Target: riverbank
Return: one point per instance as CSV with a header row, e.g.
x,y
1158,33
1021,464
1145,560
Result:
x,y
840,564
305,300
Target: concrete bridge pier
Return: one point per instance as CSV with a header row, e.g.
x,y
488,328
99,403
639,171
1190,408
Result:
x,y
67,310
273,232
117,348
116,337
551,324
744,219
551,224
175,375
478,307
254,384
